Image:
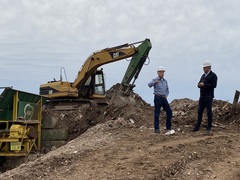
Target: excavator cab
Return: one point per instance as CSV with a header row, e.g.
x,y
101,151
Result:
x,y
94,88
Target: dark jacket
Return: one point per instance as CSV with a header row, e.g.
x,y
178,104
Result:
x,y
210,82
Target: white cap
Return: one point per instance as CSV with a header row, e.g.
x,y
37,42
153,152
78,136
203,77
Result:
x,y
206,64
161,68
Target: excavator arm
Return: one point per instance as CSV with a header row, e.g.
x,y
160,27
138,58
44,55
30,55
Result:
x,y
135,66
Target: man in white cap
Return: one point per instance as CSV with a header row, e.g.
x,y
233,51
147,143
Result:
x,y
161,92
207,83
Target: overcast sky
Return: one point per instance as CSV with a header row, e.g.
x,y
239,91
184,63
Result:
x,y
39,37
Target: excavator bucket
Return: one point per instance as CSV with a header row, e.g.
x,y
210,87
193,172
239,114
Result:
x,y
119,99
115,96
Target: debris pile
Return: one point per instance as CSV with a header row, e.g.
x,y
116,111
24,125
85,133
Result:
x,y
184,110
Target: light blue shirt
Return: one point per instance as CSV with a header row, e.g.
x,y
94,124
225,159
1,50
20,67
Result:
x,y
160,88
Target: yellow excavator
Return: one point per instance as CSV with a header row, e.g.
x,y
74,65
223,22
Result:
x,y
89,83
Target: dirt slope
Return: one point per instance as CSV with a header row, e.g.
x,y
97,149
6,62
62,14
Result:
x,y
119,143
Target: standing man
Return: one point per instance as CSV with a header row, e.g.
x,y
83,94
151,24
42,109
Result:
x,y
161,92
207,83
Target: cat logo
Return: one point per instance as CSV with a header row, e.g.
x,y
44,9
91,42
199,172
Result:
x,y
117,54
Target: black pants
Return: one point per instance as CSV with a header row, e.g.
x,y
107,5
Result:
x,y
158,103
205,102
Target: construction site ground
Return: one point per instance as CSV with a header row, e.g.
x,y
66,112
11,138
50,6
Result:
x,y
119,143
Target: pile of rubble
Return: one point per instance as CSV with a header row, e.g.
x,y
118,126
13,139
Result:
x,y
141,115
185,112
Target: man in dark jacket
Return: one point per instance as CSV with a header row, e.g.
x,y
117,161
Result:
x,y
207,83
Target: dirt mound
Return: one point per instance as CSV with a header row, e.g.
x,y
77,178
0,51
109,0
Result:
x,y
117,142
184,113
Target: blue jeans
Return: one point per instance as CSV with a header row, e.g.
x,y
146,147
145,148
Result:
x,y
159,102
205,102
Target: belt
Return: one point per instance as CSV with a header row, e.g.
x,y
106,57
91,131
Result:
x,y
160,95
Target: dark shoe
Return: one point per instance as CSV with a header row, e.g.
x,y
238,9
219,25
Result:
x,y
195,129
208,132
168,129
157,131
208,129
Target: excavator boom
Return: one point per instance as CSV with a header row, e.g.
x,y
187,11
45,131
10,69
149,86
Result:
x,y
100,58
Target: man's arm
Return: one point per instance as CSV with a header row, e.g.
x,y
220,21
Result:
x,y
200,83
167,90
153,82
211,82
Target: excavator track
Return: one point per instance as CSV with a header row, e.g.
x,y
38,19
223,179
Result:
x,y
72,104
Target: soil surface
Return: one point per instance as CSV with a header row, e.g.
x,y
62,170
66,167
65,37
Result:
x,y
119,143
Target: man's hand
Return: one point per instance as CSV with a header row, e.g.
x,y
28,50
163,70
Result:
x,y
201,84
